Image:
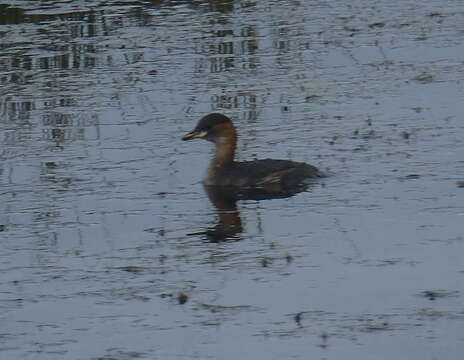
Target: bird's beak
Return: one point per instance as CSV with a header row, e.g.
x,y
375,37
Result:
x,y
195,135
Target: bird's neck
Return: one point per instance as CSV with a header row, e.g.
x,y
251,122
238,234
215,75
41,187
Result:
x,y
224,153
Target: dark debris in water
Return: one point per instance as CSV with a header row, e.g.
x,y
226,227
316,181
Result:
x,y
436,15
159,231
423,78
51,164
132,269
405,135
431,313
460,183
434,294
313,97
384,325
383,262
289,258
377,25
340,326
214,308
182,298
298,317
411,177
121,355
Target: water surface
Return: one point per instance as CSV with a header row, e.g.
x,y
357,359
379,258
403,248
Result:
x,y
99,197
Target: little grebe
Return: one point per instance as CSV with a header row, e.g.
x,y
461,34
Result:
x,y
224,171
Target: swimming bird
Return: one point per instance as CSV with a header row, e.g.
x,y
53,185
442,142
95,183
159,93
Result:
x,y
268,174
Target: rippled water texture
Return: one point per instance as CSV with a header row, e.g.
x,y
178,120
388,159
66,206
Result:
x,y
110,248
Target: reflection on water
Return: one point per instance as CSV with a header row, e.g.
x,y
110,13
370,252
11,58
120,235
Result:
x,y
229,225
224,199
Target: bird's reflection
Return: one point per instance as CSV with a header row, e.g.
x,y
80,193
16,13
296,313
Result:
x,y
229,225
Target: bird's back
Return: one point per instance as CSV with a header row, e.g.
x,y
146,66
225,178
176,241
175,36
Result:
x,y
267,173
